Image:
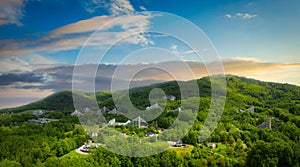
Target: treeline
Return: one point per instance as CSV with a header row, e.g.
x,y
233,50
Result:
x,y
28,144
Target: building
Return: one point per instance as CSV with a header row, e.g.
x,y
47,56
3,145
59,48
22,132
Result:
x,y
115,111
123,134
86,110
38,112
140,122
177,110
153,106
85,148
94,134
76,113
211,145
114,123
267,124
103,110
41,121
150,134
179,144
251,109
170,97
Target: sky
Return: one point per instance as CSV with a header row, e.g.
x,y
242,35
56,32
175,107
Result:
x,y
41,41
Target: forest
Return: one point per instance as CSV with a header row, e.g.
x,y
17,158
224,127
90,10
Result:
x,y
239,137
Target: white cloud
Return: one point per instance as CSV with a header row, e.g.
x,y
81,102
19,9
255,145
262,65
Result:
x,y
61,38
174,49
114,7
241,15
228,16
233,59
92,5
26,63
143,8
11,12
248,16
189,51
121,7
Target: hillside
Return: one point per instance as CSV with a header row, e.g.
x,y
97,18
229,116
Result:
x,y
62,100
241,93
259,127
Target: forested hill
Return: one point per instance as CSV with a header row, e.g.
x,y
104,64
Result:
x,y
241,92
260,127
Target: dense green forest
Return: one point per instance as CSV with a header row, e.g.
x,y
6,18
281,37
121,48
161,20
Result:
x,y
239,138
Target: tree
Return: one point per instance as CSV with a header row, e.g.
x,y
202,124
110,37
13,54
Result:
x,y
8,163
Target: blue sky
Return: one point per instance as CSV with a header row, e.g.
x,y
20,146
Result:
x,y
272,35
41,39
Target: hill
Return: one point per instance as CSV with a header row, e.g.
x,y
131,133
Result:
x,y
62,100
259,127
242,92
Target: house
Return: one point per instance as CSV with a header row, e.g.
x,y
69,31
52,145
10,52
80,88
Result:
x,y
140,122
41,121
103,110
150,134
177,110
179,144
85,148
86,110
267,124
123,134
38,112
170,97
251,109
76,113
113,122
115,111
211,145
94,134
153,106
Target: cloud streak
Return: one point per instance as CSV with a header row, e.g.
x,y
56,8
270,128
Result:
x,y
11,12
74,36
245,16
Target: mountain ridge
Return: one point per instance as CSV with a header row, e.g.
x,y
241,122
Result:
x,y
239,89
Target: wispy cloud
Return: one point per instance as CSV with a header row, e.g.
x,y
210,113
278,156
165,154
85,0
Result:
x,y
189,52
121,7
143,8
93,5
228,16
74,36
26,63
174,49
11,12
241,15
114,7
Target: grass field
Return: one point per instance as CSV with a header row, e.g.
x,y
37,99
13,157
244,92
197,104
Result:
x,y
183,151
74,154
